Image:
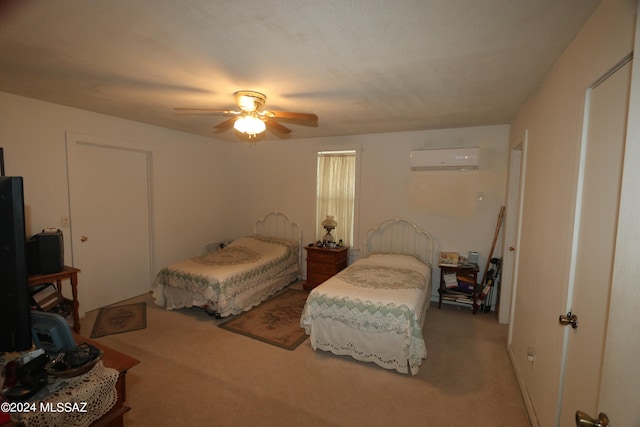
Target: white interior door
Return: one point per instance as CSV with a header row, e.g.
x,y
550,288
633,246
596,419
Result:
x,y
109,192
621,371
594,244
512,232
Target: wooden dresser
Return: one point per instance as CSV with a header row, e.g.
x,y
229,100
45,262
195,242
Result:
x,y
322,263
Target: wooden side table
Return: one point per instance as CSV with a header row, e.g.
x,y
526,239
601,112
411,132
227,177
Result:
x,y
322,263
122,363
67,273
115,360
466,277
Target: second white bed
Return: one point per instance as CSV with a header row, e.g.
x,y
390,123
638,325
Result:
x,y
374,310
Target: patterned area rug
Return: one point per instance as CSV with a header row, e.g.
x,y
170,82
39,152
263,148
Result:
x,y
119,319
275,321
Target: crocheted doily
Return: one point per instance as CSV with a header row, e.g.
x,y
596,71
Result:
x,y
80,402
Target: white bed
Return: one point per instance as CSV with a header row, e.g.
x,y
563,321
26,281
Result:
x,y
238,277
374,309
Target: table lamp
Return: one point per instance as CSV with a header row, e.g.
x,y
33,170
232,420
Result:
x,y
329,224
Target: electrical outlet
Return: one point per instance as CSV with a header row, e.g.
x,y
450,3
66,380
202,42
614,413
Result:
x,y
65,221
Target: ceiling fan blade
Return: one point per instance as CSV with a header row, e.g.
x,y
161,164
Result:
x,y
206,111
292,116
276,127
297,122
224,126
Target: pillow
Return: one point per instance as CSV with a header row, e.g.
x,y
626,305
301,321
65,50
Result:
x,y
396,260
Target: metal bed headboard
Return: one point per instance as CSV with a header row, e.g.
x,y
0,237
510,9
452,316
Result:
x,y
398,235
278,224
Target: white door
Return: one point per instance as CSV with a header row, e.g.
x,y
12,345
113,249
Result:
x,y
512,233
109,196
621,373
594,245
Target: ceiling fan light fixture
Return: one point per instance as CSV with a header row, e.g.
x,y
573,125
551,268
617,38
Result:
x,y
252,120
246,103
249,100
249,125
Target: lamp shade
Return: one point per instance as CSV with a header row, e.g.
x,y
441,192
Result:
x,y
249,125
329,224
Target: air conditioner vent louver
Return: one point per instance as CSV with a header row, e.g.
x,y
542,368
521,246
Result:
x,y
445,159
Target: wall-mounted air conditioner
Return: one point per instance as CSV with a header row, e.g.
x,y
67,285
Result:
x,y
445,159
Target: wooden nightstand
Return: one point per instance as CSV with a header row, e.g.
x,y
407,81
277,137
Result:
x,y
322,263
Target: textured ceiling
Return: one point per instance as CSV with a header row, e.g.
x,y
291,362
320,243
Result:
x,y
363,66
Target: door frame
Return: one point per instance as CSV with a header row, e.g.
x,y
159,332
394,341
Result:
x,y
72,140
513,226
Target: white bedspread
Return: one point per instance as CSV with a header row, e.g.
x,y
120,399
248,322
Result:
x,y
373,311
231,280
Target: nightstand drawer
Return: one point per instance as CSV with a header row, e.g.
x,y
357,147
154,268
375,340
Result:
x,y
322,267
323,263
314,279
328,256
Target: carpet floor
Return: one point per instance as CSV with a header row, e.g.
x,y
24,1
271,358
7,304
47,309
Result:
x,y
194,373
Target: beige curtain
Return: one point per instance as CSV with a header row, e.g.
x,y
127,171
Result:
x,y
336,193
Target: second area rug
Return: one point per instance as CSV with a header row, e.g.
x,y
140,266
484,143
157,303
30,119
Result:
x,y
275,321
119,319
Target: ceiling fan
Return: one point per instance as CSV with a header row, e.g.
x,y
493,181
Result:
x,y
251,119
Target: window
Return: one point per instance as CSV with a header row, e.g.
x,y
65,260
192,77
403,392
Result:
x,y
336,193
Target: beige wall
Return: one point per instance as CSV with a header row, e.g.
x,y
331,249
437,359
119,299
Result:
x,y
206,190
190,173
280,175
553,118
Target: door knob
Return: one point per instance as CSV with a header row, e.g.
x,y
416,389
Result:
x,y
569,319
584,420
511,249
84,238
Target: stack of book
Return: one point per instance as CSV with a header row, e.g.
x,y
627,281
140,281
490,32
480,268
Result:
x,y
457,287
46,298
456,283
453,259
449,259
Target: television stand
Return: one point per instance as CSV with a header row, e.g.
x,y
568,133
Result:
x,y
67,273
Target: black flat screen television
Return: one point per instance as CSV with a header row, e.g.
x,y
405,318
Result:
x,y
15,310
